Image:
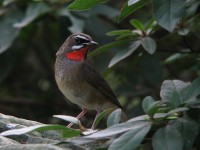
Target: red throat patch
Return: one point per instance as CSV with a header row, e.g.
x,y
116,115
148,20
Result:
x,y
77,55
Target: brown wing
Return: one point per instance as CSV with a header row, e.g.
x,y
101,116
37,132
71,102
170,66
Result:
x,y
96,80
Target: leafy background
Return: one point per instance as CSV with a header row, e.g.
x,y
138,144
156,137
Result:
x,y
141,44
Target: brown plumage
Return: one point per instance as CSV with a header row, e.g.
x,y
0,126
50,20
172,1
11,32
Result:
x,y
79,81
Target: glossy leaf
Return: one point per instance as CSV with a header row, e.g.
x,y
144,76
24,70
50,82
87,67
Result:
x,y
150,24
114,117
118,128
101,115
171,92
118,32
120,55
67,132
84,4
127,10
167,138
137,24
149,45
33,11
131,139
168,12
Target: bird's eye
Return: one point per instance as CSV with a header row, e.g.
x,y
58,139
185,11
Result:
x,y
78,41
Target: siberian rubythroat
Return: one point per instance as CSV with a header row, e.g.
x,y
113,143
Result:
x,y
79,81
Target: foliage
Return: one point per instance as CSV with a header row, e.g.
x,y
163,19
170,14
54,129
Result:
x,y
169,124
154,41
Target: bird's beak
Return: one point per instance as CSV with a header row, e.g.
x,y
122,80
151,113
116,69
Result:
x,y
93,43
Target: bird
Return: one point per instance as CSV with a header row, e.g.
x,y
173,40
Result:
x,y
78,79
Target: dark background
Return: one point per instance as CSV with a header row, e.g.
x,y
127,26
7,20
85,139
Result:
x,y
27,85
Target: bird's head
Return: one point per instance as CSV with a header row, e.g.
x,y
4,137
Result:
x,y
76,47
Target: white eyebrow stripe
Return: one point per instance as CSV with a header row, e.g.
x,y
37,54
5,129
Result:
x,y
82,37
77,47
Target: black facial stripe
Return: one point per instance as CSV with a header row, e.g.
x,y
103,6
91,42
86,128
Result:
x,y
80,41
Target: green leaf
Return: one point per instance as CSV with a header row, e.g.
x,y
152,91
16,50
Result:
x,y
171,92
137,24
167,138
67,118
147,102
120,55
118,128
189,130
8,32
149,44
168,12
118,32
106,47
101,115
84,4
132,35
192,91
33,11
127,10
150,24
67,132
174,57
114,117
131,139
150,106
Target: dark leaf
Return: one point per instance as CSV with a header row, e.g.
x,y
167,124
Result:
x,y
84,4
189,130
33,11
171,92
127,10
192,91
8,32
147,102
124,53
168,12
167,138
149,45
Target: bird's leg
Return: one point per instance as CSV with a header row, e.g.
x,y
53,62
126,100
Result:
x,y
98,110
78,117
